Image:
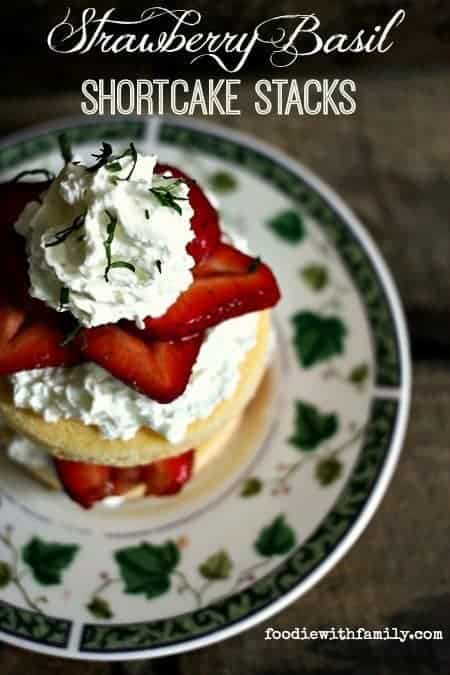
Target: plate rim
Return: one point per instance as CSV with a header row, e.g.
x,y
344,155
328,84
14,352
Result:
x,y
404,389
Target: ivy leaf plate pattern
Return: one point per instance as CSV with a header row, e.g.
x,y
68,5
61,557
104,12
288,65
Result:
x,y
294,486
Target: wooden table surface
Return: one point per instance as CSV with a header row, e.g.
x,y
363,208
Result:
x,y
391,162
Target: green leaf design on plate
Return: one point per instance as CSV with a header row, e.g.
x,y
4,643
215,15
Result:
x,y
5,574
289,226
359,375
317,338
100,608
275,539
251,487
217,566
48,560
312,426
315,276
328,470
146,568
223,181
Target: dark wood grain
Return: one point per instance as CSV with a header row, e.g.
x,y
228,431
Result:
x,y
391,162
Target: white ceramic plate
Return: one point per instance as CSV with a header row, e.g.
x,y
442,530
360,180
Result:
x,y
292,494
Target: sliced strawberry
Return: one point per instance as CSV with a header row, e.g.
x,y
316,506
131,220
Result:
x,y
15,196
228,284
160,370
89,483
205,221
85,483
30,332
167,476
26,345
125,478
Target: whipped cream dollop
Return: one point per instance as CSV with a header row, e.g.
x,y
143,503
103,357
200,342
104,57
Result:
x,y
110,244
90,394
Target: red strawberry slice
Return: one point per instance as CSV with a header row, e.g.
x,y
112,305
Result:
x,y
160,370
85,483
30,332
228,284
125,478
90,483
167,476
15,196
26,345
204,222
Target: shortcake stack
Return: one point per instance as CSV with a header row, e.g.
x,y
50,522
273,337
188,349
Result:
x,y
133,330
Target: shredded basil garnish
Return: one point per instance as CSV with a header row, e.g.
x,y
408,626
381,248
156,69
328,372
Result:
x,y
65,148
110,231
62,235
112,162
166,197
123,263
114,166
33,172
147,214
254,264
133,152
71,334
103,157
63,297
158,265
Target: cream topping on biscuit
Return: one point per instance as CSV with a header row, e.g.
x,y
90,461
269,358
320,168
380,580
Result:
x,y
90,394
110,244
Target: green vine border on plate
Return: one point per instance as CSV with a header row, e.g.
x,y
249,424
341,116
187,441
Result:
x,y
34,626
151,634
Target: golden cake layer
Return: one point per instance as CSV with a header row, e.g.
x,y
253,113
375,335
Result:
x,y
204,454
